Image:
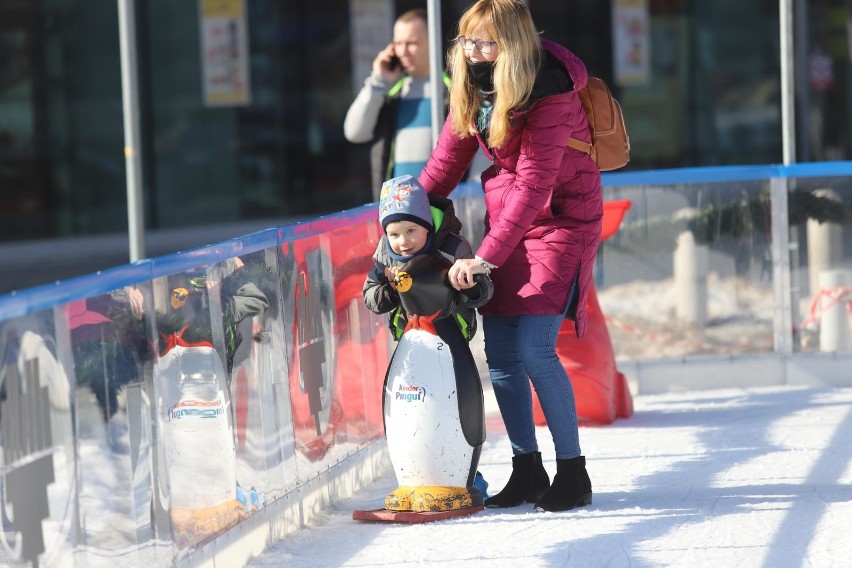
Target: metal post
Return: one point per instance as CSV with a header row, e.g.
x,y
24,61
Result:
x,y
436,64
132,138
783,243
781,281
788,85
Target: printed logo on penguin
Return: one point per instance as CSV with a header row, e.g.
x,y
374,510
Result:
x,y
410,393
403,281
196,408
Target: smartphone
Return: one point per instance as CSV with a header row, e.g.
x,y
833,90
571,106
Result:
x,y
394,63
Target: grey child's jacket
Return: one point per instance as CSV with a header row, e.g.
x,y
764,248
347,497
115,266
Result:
x,y
380,297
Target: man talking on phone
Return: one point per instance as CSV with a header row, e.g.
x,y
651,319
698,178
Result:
x,y
392,111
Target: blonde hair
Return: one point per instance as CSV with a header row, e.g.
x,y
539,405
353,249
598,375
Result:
x,y
510,24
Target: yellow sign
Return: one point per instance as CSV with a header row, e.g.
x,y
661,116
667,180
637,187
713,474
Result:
x,y
222,8
224,52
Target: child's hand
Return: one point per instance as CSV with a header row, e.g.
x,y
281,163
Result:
x,y
390,274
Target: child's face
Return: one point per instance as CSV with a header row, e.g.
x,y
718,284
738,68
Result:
x,y
406,237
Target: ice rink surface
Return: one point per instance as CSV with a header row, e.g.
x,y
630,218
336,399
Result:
x,y
737,477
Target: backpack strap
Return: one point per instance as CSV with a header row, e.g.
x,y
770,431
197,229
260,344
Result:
x,y
464,327
397,87
397,322
579,145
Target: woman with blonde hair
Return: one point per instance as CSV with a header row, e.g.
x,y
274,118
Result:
x,y
515,95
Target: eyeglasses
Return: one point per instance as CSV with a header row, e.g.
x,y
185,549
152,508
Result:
x,y
483,46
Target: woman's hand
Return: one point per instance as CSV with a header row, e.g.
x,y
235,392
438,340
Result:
x,y
462,272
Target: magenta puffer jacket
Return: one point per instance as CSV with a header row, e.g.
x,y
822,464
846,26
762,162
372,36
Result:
x,y
543,199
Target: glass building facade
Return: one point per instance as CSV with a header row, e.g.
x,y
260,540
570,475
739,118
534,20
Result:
x,y
699,83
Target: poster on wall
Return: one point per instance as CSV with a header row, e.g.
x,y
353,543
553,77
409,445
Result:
x,y
631,37
370,31
224,52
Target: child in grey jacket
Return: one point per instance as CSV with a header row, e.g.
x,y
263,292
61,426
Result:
x,y
416,223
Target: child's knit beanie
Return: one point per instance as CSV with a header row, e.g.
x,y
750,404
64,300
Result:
x,y
403,199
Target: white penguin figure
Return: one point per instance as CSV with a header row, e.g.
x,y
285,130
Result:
x,y
433,402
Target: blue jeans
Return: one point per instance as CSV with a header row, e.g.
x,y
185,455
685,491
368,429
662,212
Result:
x,y
521,349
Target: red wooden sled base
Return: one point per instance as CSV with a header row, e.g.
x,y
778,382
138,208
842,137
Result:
x,y
387,516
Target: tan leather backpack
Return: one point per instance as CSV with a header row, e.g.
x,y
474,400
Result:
x,y
610,147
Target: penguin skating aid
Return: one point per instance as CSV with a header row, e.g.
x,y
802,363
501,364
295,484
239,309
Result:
x,y
433,405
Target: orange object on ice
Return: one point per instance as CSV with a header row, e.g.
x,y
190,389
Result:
x,y
614,212
600,391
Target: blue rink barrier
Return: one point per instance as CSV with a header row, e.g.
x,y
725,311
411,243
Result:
x,y
267,337
153,411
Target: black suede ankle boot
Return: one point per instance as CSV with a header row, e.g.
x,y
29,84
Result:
x,y
528,482
571,487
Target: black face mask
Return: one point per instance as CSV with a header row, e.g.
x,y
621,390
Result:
x,y
483,75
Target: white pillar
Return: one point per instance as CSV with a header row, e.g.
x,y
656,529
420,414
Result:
x,y
690,277
825,243
834,332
